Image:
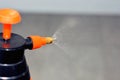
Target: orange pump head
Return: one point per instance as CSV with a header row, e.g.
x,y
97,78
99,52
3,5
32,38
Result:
x,y
7,18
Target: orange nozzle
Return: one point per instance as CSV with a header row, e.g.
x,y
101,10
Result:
x,y
39,41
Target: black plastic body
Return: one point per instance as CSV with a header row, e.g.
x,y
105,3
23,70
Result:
x,y
13,64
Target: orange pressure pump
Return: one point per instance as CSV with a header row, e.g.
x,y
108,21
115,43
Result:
x,y
9,17
12,46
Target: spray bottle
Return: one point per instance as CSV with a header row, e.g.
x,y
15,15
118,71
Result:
x,y
13,64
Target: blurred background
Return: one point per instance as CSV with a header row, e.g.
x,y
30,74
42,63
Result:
x,y
87,33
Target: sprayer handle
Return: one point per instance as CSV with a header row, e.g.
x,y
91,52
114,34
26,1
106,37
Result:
x,y
7,18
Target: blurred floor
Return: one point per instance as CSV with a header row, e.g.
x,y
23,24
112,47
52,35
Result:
x,y
95,57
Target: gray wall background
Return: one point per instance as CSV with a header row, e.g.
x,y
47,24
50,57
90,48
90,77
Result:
x,y
64,6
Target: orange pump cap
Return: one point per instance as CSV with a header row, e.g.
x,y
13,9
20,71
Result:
x,y
38,41
9,16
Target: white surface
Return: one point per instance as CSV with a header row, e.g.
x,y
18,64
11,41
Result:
x,y
94,54
64,6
